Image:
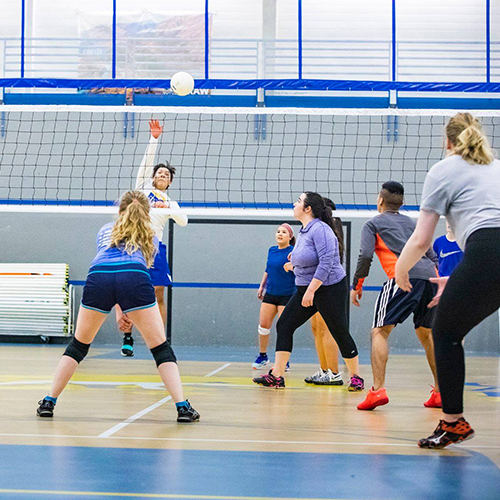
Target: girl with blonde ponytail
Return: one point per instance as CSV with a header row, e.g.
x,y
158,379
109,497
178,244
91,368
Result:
x,y
119,275
464,187
133,228
466,139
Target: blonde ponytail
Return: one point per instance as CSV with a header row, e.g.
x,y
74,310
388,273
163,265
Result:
x,y
468,139
132,231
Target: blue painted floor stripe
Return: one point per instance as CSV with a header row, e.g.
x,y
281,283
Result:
x,y
250,474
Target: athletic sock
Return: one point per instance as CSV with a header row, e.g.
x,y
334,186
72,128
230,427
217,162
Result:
x,y
263,354
181,404
51,399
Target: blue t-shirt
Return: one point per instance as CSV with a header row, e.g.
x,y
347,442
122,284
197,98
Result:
x,y
279,282
448,253
113,255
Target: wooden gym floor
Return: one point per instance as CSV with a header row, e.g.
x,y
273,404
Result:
x,y
114,434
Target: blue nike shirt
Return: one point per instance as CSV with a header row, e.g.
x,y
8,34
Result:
x,y
449,255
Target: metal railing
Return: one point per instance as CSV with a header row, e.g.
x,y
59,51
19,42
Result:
x,y
250,58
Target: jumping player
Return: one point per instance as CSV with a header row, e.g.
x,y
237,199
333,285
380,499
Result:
x,y
154,181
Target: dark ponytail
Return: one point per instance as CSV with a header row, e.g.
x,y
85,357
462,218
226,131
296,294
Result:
x,y
337,228
322,209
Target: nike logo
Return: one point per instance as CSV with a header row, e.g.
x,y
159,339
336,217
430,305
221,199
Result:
x,y
443,255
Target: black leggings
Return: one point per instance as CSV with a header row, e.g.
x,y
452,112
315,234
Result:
x,y
331,301
471,294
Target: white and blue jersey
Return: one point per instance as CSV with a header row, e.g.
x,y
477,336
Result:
x,y
449,255
144,183
160,272
279,282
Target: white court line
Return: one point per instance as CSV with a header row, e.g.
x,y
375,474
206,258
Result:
x,y
27,382
133,418
411,444
218,370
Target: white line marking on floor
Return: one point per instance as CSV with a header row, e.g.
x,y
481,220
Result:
x,y
218,370
411,444
27,382
133,418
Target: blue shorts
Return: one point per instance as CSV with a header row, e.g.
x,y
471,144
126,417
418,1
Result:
x,y
160,272
127,284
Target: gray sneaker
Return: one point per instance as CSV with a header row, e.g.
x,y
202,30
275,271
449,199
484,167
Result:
x,y
313,379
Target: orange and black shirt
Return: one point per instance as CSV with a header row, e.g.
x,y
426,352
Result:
x,y
386,235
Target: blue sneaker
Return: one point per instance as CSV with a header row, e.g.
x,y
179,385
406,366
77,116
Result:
x,y
287,368
260,362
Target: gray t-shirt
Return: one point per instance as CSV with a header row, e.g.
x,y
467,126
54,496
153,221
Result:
x,y
468,195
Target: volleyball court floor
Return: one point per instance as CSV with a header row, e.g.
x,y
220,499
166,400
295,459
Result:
x,y
114,434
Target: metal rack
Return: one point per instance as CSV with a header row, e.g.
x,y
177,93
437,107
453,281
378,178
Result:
x,y
36,299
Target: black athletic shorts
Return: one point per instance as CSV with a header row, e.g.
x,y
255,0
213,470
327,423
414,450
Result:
x,y
128,285
276,300
393,305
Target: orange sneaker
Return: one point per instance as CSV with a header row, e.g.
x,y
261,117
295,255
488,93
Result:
x,y
374,399
435,400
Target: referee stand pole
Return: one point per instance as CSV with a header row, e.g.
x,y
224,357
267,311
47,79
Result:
x,y
170,257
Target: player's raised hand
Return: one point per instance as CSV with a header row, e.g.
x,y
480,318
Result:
x,y
441,283
155,128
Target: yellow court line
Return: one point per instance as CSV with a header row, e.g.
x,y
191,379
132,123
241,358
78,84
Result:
x,y
148,495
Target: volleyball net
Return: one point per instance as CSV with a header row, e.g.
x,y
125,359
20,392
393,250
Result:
x,y
230,161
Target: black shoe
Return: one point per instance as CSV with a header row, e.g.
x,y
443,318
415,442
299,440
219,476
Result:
x,y
128,346
45,408
187,413
269,380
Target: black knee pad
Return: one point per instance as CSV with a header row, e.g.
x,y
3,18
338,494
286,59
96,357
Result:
x,y
163,353
77,350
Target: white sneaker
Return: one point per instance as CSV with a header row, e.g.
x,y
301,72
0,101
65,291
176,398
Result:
x,y
313,379
331,378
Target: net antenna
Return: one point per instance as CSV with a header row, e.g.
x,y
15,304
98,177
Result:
x,y
242,162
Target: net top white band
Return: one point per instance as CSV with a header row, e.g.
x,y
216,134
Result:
x,y
243,110
219,213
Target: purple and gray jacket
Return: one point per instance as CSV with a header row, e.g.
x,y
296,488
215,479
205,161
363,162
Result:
x,y
316,255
